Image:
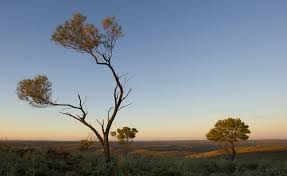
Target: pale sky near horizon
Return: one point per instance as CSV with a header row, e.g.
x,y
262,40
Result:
x,y
191,62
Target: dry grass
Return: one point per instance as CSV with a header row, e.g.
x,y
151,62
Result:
x,y
240,150
189,149
144,152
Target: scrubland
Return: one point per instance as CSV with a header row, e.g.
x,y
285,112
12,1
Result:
x,y
165,158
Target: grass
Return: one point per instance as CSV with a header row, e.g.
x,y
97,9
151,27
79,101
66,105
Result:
x,y
250,150
62,159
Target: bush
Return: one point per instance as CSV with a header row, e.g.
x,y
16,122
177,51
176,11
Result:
x,y
86,144
40,163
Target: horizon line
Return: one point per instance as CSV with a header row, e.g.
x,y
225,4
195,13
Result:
x,y
141,140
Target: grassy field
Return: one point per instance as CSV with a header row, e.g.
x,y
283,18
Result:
x,y
143,158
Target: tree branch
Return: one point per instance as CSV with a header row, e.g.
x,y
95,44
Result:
x,y
124,106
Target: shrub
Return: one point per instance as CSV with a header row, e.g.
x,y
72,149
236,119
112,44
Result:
x,y
86,144
40,162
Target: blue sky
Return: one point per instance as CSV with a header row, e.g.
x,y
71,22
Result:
x,y
191,62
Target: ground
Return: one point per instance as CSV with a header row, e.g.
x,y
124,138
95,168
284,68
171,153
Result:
x,y
146,158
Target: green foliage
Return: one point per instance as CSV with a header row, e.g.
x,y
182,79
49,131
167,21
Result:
x,y
86,38
36,91
228,130
77,34
125,135
83,37
40,162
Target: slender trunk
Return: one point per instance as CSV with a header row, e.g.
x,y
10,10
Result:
x,y
107,148
118,98
233,151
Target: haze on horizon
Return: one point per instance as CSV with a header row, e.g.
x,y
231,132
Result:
x,y
192,63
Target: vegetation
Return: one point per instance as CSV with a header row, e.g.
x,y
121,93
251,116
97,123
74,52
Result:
x,y
85,38
44,161
125,135
228,132
85,144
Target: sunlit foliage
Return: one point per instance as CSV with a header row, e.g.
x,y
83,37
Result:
x,y
229,131
84,37
125,135
98,43
37,91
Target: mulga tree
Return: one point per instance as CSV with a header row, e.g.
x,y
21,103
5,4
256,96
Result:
x,y
78,35
125,135
228,132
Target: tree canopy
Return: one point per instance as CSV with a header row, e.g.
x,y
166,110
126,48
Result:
x,y
228,130
125,135
83,37
37,91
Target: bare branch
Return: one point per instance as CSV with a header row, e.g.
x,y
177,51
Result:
x,y
130,90
124,106
123,75
67,105
109,112
116,95
73,116
102,125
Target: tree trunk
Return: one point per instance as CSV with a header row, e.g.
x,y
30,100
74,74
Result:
x,y
233,154
107,148
109,165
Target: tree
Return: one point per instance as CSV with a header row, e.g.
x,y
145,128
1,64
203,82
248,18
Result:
x,y
229,131
125,135
85,144
85,38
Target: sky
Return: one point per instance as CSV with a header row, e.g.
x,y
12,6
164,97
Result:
x,y
191,63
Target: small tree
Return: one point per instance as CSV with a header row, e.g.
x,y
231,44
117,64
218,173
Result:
x,y
85,38
85,144
4,143
125,135
229,131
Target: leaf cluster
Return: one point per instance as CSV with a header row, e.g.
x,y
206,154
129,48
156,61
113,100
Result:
x,y
229,130
37,91
125,135
81,36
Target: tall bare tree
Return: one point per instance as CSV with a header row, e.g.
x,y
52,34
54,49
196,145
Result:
x,y
83,37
